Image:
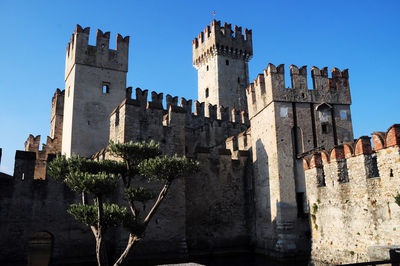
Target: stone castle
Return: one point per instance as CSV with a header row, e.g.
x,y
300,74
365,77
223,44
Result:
x,y
281,174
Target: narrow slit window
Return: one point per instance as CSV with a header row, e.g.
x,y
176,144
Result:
x,y
106,88
207,68
207,92
227,62
117,117
324,128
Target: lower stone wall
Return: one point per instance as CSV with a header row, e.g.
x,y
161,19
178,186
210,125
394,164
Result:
x,y
30,206
218,212
205,212
350,218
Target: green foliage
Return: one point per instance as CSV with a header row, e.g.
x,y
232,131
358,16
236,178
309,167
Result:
x,y
138,194
315,208
135,152
84,175
167,168
351,253
85,214
313,217
58,168
61,167
397,199
113,215
133,225
97,184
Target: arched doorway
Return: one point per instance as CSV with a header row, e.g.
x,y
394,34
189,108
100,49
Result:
x,y
39,249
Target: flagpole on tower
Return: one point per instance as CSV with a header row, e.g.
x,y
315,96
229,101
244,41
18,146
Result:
x,y
213,13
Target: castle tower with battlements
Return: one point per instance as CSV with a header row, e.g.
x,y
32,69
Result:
x,y
221,58
95,82
287,123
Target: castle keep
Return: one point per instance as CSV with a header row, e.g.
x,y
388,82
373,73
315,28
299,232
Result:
x,y
280,172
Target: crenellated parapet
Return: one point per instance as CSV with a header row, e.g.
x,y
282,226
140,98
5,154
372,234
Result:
x,y
353,185
32,143
56,118
175,126
201,111
239,144
100,55
40,157
270,86
221,40
376,159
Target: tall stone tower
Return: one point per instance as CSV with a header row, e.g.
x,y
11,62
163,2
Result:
x,y
95,82
221,60
287,123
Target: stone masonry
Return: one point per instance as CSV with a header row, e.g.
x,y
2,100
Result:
x,y
267,184
350,192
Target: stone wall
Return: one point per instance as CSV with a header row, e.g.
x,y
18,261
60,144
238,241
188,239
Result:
x,y
350,192
29,206
218,204
202,214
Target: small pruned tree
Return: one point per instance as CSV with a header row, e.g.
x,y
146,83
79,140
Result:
x,y
95,180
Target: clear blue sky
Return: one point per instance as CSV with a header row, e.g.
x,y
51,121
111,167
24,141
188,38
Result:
x,y
363,36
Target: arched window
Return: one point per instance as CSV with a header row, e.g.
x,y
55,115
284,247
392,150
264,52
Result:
x,y
324,116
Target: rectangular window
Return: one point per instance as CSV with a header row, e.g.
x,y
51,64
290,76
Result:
x,y
284,112
343,115
106,88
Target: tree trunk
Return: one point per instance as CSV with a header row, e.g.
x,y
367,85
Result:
x,y
132,240
100,250
83,198
160,198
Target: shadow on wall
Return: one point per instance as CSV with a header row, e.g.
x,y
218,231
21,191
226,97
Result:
x,y
40,248
262,194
